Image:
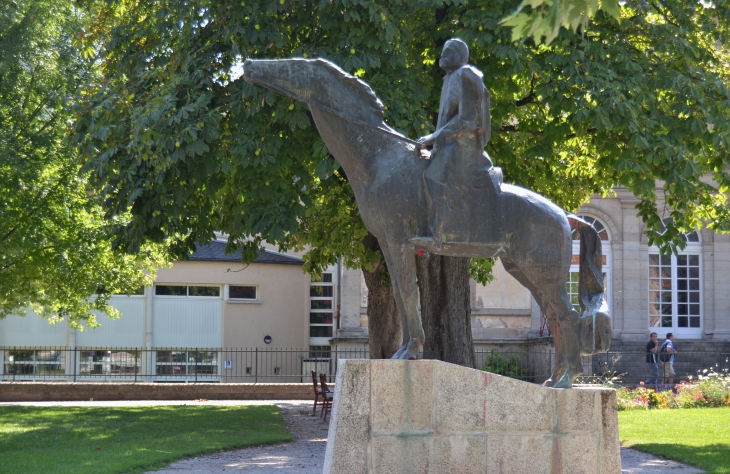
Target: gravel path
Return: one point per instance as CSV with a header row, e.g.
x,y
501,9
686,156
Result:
x,y
305,454
635,462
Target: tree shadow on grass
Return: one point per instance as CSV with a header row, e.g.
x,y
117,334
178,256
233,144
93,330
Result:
x,y
714,458
127,439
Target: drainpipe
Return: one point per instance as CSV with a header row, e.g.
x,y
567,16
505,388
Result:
x,y
149,292
339,280
72,347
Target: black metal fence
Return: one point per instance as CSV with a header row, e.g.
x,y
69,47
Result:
x,y
531,364
257,365
631,368
229,365
188,365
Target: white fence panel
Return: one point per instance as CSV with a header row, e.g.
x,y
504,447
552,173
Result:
x,y
32,330
127,331
186,322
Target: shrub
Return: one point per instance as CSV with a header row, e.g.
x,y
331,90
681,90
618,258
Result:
x,y
496,363
710,389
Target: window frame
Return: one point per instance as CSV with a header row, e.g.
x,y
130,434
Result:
x,y
692,249
187,291
230,299
322,340
136,375
185,377
35,361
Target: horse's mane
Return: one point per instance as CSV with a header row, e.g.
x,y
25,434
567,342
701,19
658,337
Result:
x,y
362,89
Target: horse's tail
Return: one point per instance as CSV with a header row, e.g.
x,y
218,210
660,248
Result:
x,y
595,321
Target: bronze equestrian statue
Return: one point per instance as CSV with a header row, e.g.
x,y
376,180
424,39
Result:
x,y
450,201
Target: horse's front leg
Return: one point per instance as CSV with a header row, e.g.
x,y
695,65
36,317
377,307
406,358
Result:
x,y
401,262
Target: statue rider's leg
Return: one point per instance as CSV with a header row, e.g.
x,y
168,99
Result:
x,y
459,187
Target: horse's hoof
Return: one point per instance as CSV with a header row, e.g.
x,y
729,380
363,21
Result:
x,y
566,381
400,353
408,351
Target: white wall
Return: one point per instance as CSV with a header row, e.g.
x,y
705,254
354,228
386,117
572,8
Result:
x,y
186,322
32,330
127,331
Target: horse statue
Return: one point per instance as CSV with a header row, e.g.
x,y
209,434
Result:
x,y
386,171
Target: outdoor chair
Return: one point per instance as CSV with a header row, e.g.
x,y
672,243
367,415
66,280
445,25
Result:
x,y
326,396
317,395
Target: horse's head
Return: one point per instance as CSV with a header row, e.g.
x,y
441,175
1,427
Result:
x,y
319,83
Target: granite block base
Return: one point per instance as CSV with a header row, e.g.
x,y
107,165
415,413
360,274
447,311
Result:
x,y
429,416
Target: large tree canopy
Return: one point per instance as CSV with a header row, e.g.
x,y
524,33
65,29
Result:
x,y
172,136
54,249
544,18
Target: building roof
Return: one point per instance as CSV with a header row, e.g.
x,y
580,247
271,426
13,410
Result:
x,y
216,252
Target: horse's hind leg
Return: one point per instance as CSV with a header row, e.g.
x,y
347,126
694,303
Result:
x,y
565,321
401,262
562,319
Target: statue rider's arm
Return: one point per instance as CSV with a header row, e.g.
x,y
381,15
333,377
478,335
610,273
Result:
x,y
466,118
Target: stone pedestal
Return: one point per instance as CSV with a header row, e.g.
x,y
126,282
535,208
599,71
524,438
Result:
x,y
428,416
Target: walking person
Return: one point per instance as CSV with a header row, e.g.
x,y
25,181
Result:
x,y
652,347
666,357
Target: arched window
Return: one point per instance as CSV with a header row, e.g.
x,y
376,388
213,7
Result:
x,y
675,288
606,260
600,228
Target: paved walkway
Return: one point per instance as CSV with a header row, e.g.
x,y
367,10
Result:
x,y
305,454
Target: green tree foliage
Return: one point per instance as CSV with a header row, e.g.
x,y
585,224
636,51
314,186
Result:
x,y
547,16
54,250
172,136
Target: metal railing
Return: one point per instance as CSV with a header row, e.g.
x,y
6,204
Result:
x,y
631,368
262,365
531,364
187,365
228,365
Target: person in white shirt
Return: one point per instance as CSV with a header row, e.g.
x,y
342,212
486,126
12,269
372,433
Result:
x,y
668,366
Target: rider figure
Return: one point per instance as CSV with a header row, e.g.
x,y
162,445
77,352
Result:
x,y
459,179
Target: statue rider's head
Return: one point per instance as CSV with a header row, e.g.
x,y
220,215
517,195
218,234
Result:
x,y
454,55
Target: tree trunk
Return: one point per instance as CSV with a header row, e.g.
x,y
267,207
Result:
x,y
446,309
384,323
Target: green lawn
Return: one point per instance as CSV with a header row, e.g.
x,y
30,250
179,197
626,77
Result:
x,y
695,436
127,439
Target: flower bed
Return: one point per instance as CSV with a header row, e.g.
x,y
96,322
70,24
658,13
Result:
x,y
710,389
